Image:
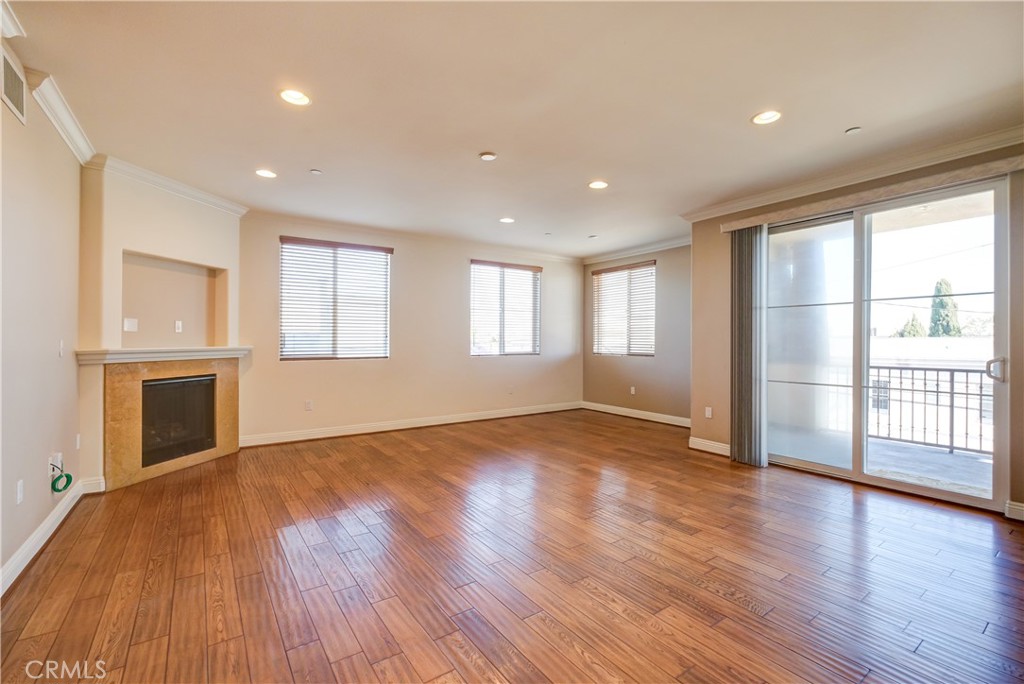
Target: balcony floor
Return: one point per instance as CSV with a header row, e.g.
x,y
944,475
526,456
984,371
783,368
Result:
x,y
963,472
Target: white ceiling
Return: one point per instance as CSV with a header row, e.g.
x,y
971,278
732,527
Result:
x,y
653,97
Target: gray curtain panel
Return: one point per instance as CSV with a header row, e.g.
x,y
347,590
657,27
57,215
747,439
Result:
x,y
749,259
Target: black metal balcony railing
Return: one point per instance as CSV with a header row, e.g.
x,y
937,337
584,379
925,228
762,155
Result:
x,y
945,407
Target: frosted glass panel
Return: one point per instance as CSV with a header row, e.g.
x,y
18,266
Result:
x,y
811,265
811,344
914,248
811,423
809,339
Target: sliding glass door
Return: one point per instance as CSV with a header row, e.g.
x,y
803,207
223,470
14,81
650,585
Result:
x,y
810,388
887,336
935,343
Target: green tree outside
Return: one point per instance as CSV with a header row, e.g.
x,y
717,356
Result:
x,y
944,318
912,328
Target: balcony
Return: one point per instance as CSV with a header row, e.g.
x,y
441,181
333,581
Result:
x,y
931,426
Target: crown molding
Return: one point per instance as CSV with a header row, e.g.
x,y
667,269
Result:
x,y
892,191
640,250
55,107
104,162
886,166
11,26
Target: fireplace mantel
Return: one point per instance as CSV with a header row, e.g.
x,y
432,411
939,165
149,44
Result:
x,y
99,357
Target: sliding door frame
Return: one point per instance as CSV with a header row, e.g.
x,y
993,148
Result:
x,y
1000,342
861,346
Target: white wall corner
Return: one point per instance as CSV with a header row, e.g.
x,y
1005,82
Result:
x,y
52,102
635,413
709,446
1014,510
11,26
104,162
17,563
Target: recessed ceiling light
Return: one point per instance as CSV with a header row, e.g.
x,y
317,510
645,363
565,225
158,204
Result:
x,y
591,237
507,219
488,156
852,131
295,97
771,116
265,173
316,172
597,184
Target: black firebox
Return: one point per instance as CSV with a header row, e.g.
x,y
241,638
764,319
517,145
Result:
x,y
178,417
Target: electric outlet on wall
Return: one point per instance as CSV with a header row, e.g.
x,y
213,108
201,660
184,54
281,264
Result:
x,y
56,463
177,326
309,405
707,411
632,390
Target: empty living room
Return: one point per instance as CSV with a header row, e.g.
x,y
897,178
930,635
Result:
x,y
512,342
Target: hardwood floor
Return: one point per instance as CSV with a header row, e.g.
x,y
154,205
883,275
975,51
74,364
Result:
x,y
568,547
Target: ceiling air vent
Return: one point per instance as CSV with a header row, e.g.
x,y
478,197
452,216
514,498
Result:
x,y
14,87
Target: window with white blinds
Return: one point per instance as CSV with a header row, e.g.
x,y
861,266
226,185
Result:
x,y
504,308
624,309
335,299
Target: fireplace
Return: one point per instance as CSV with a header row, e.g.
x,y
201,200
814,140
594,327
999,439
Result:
x,y
132,397
178,417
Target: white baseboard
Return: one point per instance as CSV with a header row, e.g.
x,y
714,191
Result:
x,y
1014,510
404,424
709,446
17,563
634,413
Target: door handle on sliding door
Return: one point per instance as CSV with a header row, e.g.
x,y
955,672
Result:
x,y
991,364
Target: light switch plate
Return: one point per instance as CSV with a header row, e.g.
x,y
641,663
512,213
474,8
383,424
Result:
x,y
131,325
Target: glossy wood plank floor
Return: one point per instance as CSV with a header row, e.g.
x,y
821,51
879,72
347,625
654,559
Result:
x,y
568,547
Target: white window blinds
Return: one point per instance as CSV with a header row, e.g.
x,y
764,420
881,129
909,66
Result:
x,y
335,299
504,308
624,309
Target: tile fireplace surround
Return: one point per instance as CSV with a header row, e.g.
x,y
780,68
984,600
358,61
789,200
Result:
x,y
123,375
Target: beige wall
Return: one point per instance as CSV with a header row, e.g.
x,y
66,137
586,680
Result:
x,y
122,213
711,309
158,292
709,378
40,306
430,372
662,381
